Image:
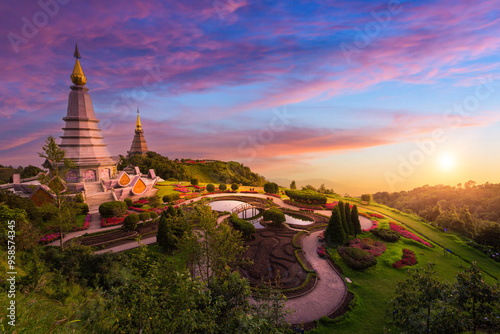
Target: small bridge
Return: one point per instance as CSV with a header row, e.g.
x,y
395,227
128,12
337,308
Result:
x,y
243,208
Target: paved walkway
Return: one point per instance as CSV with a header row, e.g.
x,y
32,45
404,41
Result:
x,y
131,245
328,294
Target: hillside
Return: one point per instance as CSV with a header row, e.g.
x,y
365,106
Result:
x,y
470,210
205,171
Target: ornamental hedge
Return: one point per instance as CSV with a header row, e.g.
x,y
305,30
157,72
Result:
x,y
130,222
210,188
306,196
113,209
274,215
386,234
357,258
271,188
242,225
171,197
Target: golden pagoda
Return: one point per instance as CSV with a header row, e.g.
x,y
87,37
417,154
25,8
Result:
x,y
82,139
139,145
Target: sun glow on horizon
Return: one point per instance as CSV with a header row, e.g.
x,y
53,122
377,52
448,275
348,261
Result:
x,y
447,162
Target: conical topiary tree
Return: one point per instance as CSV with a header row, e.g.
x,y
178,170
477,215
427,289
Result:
x,y
335,234
170,212
162,230
342,217
350,226
355,220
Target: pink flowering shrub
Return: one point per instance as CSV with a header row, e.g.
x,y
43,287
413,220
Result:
x,y
376,215
408,259
376,248
48,238
321,251
407,234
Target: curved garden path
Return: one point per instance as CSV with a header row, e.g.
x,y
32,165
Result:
x,y
327,295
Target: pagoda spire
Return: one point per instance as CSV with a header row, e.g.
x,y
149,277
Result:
x,y
138,126
77,76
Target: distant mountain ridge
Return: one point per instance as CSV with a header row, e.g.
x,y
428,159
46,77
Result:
x,y
339,188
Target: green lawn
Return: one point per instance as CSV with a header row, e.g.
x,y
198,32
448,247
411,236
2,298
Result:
x,y
375,286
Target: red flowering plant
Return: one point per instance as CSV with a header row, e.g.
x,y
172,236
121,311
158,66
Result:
x,y
321,237
376,215
321,251
407,234
408,259
49,238
376,248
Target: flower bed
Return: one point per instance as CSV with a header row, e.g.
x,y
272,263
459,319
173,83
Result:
x,y
141,201
105,222
274,195
407,234
321,251
48,238
364,215
376,248
376,215
303,205
138,209
249,192
85,226
321,237
408,259
182,190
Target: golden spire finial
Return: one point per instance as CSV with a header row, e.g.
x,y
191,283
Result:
x,y
138,122
77,76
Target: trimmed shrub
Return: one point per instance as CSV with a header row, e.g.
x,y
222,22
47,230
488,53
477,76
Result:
x,y
235,186
222,187
355,220
210,188
154,202
144,216
130,222
271,188
334,233
275,215
83,208
306,196
128,201
242,225
171,197
138,205
357,258
153,215
79,198
194,182
113,209
386,234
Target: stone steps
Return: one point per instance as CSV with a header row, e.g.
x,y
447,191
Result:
x,y
94,200
92,188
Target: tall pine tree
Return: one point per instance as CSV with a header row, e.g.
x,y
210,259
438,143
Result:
x,y
161,236
335,234
342,217
355,220
350,226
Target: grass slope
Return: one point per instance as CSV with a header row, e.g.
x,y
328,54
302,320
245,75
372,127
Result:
x,y
375,286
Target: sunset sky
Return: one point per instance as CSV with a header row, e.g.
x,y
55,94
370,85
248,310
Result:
x,y
371,95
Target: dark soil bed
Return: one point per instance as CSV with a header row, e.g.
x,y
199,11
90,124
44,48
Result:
x,y
272,252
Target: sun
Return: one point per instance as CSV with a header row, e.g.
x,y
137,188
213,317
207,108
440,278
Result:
x,y
446,162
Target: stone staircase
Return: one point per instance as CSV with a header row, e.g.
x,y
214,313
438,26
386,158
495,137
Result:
x,y
93,188
96,199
